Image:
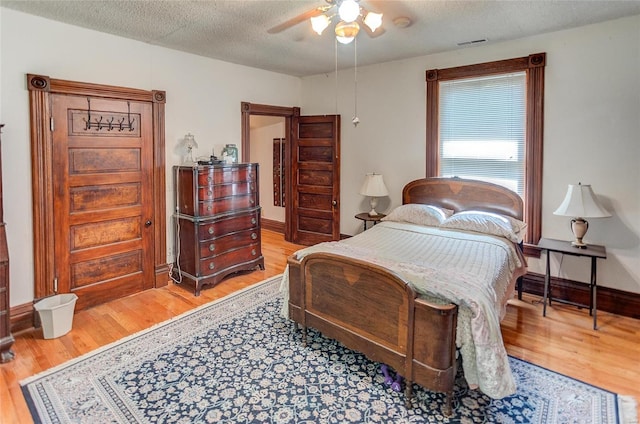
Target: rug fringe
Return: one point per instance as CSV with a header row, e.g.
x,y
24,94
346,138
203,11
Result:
x,y
627,406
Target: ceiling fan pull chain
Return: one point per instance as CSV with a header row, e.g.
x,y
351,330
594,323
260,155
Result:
x,y
335,47
355,119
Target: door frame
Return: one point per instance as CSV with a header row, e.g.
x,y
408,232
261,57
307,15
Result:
x,y
40,89
288,113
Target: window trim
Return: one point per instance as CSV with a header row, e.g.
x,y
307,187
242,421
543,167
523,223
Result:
x,y
534,65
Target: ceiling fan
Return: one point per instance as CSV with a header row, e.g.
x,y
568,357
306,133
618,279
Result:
x,y
349,15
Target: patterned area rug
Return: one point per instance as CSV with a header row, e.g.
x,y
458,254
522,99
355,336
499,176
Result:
x,y
237,361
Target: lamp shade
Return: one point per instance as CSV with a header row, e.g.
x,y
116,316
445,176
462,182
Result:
x,y
374,186
320,23
189,141
373,20
349,10
580,201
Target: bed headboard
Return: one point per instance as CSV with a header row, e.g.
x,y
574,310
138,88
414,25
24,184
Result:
x,y
461,194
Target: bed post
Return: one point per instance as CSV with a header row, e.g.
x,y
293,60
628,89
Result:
x,y
408,371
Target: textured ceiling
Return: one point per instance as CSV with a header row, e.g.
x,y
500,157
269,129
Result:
x,y
236,30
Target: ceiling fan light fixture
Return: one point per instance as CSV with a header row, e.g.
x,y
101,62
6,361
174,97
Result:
x,y
320,23
349,10
346,32
373,20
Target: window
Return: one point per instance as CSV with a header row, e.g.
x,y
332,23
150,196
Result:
x,y
482,129
485,122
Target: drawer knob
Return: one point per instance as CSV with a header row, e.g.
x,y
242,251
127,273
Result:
x,y
253,252
209,179
210,192
251,202
210,230
254,236
212,247
209,208
211,265
253,221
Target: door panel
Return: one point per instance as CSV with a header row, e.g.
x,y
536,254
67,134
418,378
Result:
x,y
316,179
103,191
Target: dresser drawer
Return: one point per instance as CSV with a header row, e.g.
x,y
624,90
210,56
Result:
x,y
226,204
229,258
228,242
222,226
221,175
4,300
213,192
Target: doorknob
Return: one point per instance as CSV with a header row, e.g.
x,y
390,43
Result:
x,y
148,223
334,203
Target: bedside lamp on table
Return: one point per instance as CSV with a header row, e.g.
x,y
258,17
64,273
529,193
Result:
x,y
580,203
373,187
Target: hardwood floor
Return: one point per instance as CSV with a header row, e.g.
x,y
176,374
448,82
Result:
x,y
563,341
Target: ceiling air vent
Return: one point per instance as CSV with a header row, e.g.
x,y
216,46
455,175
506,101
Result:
x,y
468,43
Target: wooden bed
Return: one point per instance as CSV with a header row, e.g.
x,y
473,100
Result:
x,y
343,297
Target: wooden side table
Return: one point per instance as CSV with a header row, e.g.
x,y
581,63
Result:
x,y
592,251
364,216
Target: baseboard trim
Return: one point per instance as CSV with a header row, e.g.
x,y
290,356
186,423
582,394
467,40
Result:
x,y
162,275
610,300
275,226
22,317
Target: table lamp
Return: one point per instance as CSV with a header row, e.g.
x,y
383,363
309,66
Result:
x,y
580,202
189,143
374,187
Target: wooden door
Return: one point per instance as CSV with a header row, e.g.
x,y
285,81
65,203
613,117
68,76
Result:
x,y
103,197
315,182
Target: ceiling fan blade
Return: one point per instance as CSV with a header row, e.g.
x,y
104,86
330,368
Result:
x,y
297,19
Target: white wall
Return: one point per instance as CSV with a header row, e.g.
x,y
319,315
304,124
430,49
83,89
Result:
x,y
203,97
592,105
592,130
262,153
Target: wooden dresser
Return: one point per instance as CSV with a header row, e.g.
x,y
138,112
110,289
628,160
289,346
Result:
x,y
6,339
217,222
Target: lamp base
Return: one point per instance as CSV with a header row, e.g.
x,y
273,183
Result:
x,y
579,227
373,203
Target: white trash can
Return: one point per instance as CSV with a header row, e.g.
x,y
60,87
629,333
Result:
x,y
56,314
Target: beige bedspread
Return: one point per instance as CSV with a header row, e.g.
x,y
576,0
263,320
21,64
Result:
x,y
471,270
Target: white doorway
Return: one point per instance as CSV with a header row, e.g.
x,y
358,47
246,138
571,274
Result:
x,y
268,136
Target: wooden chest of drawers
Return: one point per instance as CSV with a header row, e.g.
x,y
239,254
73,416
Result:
x,y
6,338
217,222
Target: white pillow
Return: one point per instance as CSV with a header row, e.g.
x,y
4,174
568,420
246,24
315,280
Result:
x,y
414,213
487,223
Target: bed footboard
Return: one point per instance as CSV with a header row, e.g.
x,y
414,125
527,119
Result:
x,y
374,311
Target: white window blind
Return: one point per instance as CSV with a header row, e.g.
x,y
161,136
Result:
x,y
482,129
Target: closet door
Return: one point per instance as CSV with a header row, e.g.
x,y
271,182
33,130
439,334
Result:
x,y
103,197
